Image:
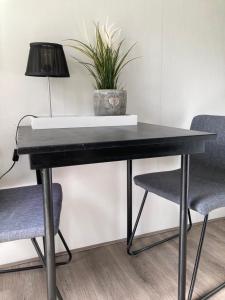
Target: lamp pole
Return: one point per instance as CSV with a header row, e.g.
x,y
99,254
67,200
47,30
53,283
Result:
x,y
50,97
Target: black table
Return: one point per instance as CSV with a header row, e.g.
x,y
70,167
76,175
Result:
x,y
51,148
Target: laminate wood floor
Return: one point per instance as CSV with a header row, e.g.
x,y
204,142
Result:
x,y
109,273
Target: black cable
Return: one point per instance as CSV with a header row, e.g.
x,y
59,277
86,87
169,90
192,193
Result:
x,y
18,124
15,153
8,170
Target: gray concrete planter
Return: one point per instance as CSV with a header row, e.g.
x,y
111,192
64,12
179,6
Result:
x,y
110,102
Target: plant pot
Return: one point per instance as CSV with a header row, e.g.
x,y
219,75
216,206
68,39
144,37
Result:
x,y
110,102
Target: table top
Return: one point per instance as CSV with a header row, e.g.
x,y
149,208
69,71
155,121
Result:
x,y
71,139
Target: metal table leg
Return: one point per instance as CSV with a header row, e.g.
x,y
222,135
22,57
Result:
x,y
183,226
46,175
129,200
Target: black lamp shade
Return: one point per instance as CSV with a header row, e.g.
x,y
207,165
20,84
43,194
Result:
x,y
47,60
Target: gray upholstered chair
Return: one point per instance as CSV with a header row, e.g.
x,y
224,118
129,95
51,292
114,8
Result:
x,y
206,187
21,217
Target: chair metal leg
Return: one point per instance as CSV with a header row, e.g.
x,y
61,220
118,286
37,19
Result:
x,y
213,292
197,260
67,250
135,252
44,247
6,271
68,260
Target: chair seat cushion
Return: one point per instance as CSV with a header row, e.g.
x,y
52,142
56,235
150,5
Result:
x,y
21,212
206,188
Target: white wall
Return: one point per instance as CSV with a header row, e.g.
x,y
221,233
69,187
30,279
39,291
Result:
x,y
181,74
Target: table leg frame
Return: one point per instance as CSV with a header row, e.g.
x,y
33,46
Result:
x,y
129,200
185,161
46,176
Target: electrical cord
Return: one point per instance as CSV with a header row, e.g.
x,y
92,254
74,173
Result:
x,y
4,174
15,152
18,125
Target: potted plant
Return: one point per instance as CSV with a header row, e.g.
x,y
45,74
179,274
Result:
x,y
105,60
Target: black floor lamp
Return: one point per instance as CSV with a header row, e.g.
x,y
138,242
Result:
x,y
47,60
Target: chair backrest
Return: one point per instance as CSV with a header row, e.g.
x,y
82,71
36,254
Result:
x,y
214,155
